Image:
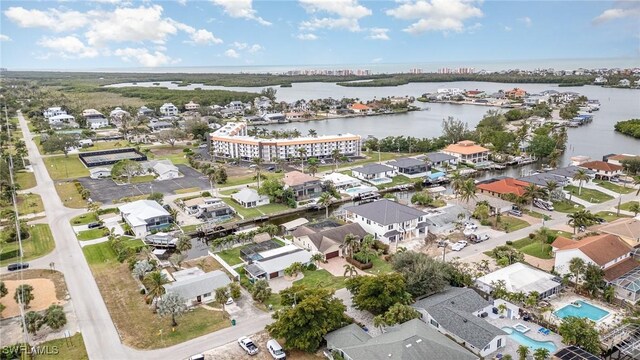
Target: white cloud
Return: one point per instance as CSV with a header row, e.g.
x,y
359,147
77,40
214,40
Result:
x,y
51,19
232,54
204,37
255,48
507,28
526,20
376,60
347,12
241,9
144,57
307,36
239,45
5,38
182,2
621,9
378,34
69,47
436,15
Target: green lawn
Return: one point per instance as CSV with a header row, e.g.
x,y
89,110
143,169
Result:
x,y
321,279
372,156
615,187
380,266
231,256
533,248
627,206
396,180
273,208
99,253
248,179
246,213
71,348
107,145
92,234
567,206
610,216
510,223
39,243
534,214
69,195
590,195
29,204
61,167
187,190
26,180
84,219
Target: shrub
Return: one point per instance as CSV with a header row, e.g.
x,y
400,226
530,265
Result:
x,y
205,194
532,236
358,264
379,245
509,242
312,267
143,291
485,222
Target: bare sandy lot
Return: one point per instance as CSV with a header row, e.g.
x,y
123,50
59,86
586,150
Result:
x,y
44,294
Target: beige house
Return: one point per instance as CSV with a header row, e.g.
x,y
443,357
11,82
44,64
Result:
x,y
328,242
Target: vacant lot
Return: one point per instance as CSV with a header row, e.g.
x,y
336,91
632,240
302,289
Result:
x,y
106,145
62,167
26,180
610,216
71,348
69,195
49,288
138,326
39,243
92,234
175,154
29,204
509,223
590,195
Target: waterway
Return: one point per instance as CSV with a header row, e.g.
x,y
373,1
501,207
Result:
x,y
594,140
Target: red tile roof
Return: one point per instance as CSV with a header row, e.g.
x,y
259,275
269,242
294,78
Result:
x,y
601,166
600,248
561,242
359,106
294,178
505,186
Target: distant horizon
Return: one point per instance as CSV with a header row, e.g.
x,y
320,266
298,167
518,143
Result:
x,y
376,68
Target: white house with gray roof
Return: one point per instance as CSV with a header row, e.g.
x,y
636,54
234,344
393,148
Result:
x,y
374,173
409,167
250,198
412,340
388,220
271,263
439,159
197,287
458,313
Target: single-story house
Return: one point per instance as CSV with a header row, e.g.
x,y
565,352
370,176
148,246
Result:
x,y
250,198
61,119
628,229
272,263
409,167
388,220
542,179
523,278
496,204
166,171
99,173
341,181
379,173
157,125
207,207
443,220
440,160
468,151
411,340
327,242
502,186
197,287
456,312
145,216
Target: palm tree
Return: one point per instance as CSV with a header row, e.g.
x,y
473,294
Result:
x,y
257,161
468,190
576,266
349,270
317,257
523,351
312,133
582,218
336,156
303,153
636,181
542,235
221,295
366,247
581,176
313,169
541,354
212,174
532,192
350,242
550,187
154,282
324,201
635,208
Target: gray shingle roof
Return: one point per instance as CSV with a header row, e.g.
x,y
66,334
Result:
x,y
371,169
386,212
413,340
569,171
453,309
406,162
326,238
542,179
436,157
199,285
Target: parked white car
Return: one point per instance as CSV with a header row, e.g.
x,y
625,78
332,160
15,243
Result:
x,y
248,345
276,350
197,357
458,246
483,237
229,301
471,226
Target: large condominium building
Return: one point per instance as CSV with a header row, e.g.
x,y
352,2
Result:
x,y
232,141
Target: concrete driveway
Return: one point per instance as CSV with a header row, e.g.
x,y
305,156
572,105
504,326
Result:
x,y
363,317
336,267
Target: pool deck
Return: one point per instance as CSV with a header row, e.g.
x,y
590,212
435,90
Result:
x,y
612,320
511,347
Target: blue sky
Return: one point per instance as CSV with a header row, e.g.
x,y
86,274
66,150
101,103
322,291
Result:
x,y
125,34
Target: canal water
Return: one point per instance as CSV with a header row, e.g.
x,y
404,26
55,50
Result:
x,y
595,139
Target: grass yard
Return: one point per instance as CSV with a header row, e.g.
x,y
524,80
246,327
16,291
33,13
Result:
x,y
273,208
627,206
106,145
610,216
244,212
71,348
380,266
534,248
372,157
615,187
227,192
321,279
61,167
137,325
534,214
590,195
397,180
175,154
187,190
26,180
567,206
29,204
509,223
84,219
231,256
92,234
39,243
248,179
69,195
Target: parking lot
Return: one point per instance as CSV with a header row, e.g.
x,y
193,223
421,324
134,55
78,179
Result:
x,y
106,190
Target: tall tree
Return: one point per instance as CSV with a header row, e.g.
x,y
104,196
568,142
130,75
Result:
x,y
257,161
171,136
531,193
550,188
423,274
378,293
581,176
576,266
221,295
126,167
184,243
398,314
468,190
302,152
581,218
325,201
454,130
154,282
261,291
23,295
593,279
580,332
59,142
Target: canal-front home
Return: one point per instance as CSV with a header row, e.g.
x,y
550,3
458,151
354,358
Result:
x,y
145,216
388,220
304,186
468,151
409,167
374,173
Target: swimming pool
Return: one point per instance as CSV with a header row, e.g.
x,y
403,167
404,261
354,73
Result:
x,y
582,309
523,339
380,181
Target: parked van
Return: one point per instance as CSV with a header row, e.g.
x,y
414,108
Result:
x,y
276,350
